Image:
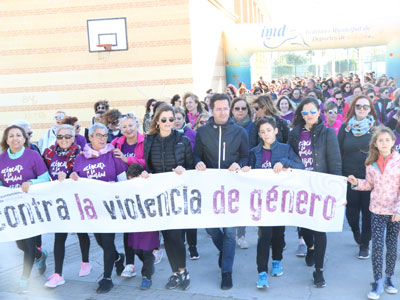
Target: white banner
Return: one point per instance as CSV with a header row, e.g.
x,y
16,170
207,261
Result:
x,y
212,198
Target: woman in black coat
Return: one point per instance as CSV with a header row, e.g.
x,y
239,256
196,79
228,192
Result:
x,y
167,150
318,148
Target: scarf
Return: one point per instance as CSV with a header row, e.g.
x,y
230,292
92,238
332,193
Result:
x,y
182,130
359,128
89,152
244,122
70,154
192,118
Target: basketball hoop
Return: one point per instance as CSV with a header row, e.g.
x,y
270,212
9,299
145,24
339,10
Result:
x,y
104,55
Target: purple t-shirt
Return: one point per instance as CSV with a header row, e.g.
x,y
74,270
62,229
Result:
x,y
106,167
14,172
266,159
80,140
305,150
128,150
289,117
397,143
58,164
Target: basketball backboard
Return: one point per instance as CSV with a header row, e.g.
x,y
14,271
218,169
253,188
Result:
x,y
107,31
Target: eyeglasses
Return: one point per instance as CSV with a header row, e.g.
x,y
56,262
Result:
x,y
364,107
30,133
237,108
332,112
164,120
66,137
101,136
311,111
58,118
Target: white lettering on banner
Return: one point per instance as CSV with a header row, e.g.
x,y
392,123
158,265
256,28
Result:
x,y
212,198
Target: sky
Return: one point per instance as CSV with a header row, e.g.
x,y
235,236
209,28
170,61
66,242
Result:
x,y
333,10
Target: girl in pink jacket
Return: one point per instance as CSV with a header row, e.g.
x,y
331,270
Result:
x,y
383,179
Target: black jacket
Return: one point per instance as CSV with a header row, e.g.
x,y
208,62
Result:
x,y
324,145
165,154
281,137
232,147
354,151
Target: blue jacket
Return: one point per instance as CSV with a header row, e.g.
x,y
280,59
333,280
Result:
x,y
282,153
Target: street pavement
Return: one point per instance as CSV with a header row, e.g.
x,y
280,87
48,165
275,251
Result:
x,y
347,277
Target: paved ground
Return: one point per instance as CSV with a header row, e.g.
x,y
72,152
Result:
x,y
347,277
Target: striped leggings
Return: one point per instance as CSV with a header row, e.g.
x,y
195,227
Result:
x,y
380,223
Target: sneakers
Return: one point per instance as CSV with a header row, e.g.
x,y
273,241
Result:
x,y
389,286
41,262
276,268
129,271
158,255
226,282
319,280
301,250
194,255
23,286
357,237
119,264
85,269
105,285
262,280
310,257
54,281
241,242
364,253
376,291
181,279
146,283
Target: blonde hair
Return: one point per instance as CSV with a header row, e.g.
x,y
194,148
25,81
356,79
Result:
x,y
373,153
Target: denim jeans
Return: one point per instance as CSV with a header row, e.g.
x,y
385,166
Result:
x,y
225,241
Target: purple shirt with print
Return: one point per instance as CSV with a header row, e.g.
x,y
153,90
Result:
x,y
128,150
305,150
58,164
266,159
105,167
14,172
397,143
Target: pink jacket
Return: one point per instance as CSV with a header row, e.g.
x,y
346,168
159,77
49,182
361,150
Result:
x,y
139,150
385,194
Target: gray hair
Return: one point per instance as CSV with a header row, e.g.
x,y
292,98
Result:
x,y
21,123
66,126
96,126
131,116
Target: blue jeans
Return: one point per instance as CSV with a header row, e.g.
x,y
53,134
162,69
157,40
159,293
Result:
x,y
225,241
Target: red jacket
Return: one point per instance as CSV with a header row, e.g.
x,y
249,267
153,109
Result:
x,y
139,151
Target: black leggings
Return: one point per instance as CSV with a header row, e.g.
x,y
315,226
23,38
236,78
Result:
x,y
129,253
358,202
30,253
175,248
147,259
191,237
318,240
267,236
59,249
110,254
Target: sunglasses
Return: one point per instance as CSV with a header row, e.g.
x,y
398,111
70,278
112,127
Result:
x,y
339,99
164,120
256,108
58,118
78,127
203,122
101,108
311,111
30,133
238,108
128,115
113,123
364,107
61,137
332,112
101,136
